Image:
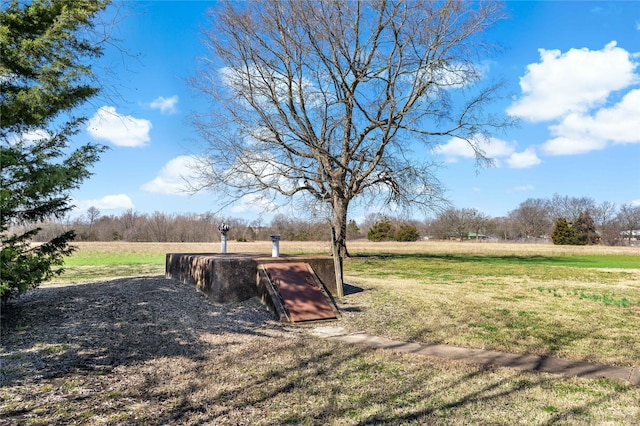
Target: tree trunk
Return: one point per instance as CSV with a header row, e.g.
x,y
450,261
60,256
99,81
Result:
x,y
337,264
339,239
339,225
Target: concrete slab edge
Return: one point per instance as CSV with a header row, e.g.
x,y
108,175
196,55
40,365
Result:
x,y
544,364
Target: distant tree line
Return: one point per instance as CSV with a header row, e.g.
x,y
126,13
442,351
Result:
x,y
581,219
167,227
561,219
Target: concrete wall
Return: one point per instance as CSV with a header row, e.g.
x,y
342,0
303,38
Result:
x,y
227,278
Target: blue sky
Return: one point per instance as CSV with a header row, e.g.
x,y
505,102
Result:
x,y
572,69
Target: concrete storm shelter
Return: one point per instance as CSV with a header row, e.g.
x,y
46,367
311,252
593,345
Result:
x,y
295,288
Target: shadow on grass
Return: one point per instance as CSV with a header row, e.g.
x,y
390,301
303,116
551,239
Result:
x,y
318,388
575,261
350,289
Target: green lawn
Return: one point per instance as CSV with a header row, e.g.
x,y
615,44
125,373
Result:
x,y
578,307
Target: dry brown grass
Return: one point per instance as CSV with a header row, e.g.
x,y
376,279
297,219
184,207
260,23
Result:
x,y
360,246
501,314
517,298
486,248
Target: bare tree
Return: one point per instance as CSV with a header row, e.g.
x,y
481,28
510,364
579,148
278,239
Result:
x,y
629,219
93,213
129,226
327,102
503,227
456,223
479,222
604,217
570,207
532,218
159,226
258,229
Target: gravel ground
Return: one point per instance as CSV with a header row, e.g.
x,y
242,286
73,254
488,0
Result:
x,y
138,319
58,333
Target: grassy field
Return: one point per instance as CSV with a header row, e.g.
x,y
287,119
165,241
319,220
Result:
x,y
580,303
96,256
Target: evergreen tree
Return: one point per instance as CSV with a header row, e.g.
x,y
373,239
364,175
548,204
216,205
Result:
x,y
381,231
584,230
45,51
562,233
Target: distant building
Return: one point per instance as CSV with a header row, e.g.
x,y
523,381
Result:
x,y
632,237
474,236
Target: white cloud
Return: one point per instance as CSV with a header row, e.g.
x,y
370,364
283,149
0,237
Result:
x,y
263,81
493,148
523,160
580,133
35,135
108,202
572,82
459,75
120,130
620,123
575,92
173,177
456,147
496,148
165,105
571,146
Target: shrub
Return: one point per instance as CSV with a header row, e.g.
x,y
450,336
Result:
x,y
406,233
381,231
585,230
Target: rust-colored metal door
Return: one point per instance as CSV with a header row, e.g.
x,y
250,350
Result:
x,y
302,297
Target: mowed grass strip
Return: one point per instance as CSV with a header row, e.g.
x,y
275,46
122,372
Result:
x,y
603,261
104,260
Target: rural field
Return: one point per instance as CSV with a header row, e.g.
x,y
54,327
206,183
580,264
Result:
x,y
112,341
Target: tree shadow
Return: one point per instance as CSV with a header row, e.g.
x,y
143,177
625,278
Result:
x,y
53,331
409,402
